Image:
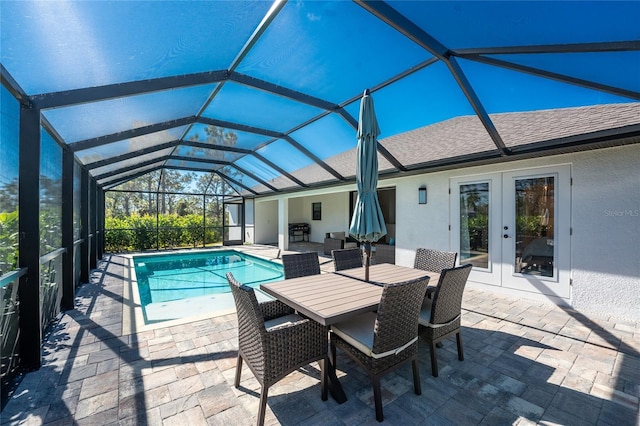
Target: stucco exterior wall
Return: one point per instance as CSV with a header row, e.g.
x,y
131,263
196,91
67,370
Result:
x,y
421,225
266,221
605,219
296,213
335,212
606,232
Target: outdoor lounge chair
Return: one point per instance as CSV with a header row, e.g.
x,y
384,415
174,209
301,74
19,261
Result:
x,y
337,241
347,258
441,315
384,340
274,341
300,264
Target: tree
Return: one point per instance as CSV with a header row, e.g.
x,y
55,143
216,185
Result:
x,y
172,181
50,214
217,137
162,192
9,196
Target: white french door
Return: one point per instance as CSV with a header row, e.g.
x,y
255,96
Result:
x,y
514,227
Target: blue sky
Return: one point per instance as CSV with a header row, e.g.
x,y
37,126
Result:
x,y
331,50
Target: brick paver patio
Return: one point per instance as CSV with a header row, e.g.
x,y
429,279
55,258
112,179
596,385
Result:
x,y
526,362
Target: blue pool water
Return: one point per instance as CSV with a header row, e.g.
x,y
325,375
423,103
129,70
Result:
x,y
195,279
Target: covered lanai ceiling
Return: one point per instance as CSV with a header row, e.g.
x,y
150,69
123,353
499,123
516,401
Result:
x,y
266,95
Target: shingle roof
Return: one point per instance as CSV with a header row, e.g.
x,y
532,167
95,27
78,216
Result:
x,y
465,136
451,138
537,126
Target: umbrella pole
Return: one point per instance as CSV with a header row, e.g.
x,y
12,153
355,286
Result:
x,y
367,260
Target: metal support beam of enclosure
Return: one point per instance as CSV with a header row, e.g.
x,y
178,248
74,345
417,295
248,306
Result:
x,y
29,240
68,284
93,219
100,223
84,233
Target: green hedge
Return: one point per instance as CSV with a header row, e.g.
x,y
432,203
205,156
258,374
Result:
x,y
140,232
8,241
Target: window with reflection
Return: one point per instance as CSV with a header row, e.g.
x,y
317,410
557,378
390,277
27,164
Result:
x,y
10,148
474,224
535,226
50,194
50,226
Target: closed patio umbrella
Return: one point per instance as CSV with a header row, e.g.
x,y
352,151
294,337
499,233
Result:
x,y
367,223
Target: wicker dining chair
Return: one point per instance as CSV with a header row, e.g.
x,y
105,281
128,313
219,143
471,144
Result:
x,y
384,340
441,315
347,258
300,264
435,261
274,341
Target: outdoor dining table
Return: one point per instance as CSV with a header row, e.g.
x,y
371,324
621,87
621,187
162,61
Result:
x,y
334,297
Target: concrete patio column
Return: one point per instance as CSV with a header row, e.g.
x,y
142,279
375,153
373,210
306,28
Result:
x,y
283,223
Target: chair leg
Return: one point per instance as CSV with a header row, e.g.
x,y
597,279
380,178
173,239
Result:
x,y
459,341
417,388
434,360
263,405
238,370
377,398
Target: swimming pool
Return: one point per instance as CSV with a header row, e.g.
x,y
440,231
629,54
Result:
x,y
177,285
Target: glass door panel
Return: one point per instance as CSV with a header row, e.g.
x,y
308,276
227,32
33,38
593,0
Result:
x,y
534,233
536,230
514,228
474,224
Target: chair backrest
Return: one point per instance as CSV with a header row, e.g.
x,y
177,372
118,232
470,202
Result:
x,y
300,265
434,260
397,317
336,235
347,258
251,328
250,318
447,301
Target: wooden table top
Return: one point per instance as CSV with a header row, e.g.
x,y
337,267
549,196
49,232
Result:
x,y
334,297
387,273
